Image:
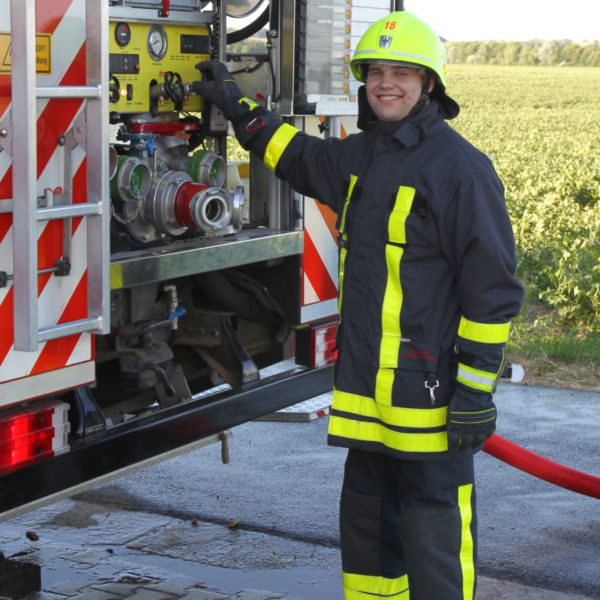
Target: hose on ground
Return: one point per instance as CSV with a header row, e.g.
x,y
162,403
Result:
x,y
541,467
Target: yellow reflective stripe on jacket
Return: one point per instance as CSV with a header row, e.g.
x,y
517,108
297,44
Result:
x,y
467,561
344,235
486,333
277,144
397,221
341,277
364,431
397,416
392,300
390,325
370,587
351,185
384,382
474,378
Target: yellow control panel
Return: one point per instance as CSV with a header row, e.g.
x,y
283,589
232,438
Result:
x,y
150,62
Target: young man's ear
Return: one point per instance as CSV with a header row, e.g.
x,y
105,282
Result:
x,y
432,82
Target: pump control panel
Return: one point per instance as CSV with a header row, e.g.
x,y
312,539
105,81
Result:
x,y
150,62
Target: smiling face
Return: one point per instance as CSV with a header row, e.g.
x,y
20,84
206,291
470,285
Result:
x,y
392,90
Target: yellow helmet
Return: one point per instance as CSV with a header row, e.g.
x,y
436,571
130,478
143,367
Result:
x,y
400,37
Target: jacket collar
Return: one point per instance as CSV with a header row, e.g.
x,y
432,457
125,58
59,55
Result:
x,y
408,131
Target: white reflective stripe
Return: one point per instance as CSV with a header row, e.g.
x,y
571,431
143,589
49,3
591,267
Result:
x,y
480,380
398,53
412,55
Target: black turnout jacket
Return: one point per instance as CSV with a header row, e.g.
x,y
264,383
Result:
x,y
426,273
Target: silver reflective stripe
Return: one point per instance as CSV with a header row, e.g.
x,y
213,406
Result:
x,y
398,53
411,55
476,379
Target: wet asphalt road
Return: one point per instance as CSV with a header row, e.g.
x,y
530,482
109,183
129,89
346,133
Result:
x,y
283,477
281,489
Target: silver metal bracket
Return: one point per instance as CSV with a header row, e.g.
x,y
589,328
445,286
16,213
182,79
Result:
x,y
6,132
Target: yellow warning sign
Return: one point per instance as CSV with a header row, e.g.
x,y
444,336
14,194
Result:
x,y
42,53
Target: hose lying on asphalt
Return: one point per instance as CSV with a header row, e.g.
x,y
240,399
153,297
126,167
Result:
x,y
541,467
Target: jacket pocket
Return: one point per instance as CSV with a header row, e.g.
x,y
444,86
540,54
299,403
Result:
x,y
406,229
416,375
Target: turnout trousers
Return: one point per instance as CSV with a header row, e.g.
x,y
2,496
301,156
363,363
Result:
x,y
408,528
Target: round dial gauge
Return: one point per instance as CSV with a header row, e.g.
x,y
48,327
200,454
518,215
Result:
x,y
122,34
157,42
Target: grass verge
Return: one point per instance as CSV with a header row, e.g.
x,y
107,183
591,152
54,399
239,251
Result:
x,y
552,354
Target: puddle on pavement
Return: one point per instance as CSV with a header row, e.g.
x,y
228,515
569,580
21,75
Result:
x,y
103,548
302,583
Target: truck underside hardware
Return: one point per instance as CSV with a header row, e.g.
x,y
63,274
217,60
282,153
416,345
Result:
x,y
152,275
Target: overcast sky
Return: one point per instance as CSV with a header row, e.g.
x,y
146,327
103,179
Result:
x,y
521,20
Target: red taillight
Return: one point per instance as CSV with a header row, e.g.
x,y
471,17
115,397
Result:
x,y
322,346
33,434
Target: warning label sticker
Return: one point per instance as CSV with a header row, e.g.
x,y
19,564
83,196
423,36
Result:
x,y
42,53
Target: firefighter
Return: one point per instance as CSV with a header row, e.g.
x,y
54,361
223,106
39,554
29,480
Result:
x,y
426,295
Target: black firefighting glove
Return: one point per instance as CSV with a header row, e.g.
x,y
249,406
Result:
x,y
220,88
471,420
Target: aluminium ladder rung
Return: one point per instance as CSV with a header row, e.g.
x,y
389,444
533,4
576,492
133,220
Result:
x,y
26,213
66,211
70,328
69,91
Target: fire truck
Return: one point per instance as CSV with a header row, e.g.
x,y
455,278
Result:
x,y
155,288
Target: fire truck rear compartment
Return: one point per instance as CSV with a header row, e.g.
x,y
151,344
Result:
x,y
170,340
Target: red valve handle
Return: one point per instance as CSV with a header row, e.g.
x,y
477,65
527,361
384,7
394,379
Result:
x,y
166,8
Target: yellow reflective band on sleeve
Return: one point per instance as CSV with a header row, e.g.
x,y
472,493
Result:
x,y
474,378
364,431
486,333
371,587
467,561
397,221
277,144
249,102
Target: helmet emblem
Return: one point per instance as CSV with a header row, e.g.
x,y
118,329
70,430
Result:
x,y
385,41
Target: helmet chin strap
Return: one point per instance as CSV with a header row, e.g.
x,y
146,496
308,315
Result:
x,y
424,99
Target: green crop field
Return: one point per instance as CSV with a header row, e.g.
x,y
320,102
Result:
x,y
541,126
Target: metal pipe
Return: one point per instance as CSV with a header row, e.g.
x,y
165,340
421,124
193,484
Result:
x,y
66,211
69,91
71,328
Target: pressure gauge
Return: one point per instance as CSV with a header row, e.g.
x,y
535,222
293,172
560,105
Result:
x,y
157,42
122,34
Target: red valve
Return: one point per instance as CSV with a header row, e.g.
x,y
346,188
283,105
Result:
x,y
166,8
183,199
163,128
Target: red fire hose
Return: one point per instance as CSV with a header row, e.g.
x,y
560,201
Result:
x,y
541,467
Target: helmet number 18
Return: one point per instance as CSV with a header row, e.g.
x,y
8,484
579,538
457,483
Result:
x,y
390,25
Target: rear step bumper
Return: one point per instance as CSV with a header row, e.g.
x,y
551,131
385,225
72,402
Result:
x,y
144,441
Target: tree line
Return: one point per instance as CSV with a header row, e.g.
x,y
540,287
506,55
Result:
x,y
535,52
